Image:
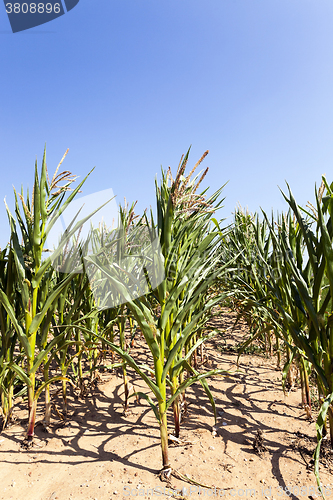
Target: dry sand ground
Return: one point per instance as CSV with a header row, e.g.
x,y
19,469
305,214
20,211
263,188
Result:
x,y
100,453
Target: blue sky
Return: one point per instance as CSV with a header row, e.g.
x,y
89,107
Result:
x,y
129,85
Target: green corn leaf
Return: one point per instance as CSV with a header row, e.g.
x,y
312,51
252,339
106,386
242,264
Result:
x,y
207,390
21,374
187,331
191,380
304,292
307,233
130,361
48,382
43,191
205,387
181,363
172,300
43,354
49,302
36,228
185,309
149,400
19,260
140,312
25,228
66,238
327,245
11,313
320,427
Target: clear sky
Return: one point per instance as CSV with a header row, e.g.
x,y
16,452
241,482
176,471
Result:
x,y
129,85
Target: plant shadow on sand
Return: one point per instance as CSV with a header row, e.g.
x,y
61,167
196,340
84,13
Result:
x,y
99,450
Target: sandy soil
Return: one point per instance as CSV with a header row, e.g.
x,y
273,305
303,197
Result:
x,y
100,453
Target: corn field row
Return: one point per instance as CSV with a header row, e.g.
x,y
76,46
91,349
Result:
x,y
161,276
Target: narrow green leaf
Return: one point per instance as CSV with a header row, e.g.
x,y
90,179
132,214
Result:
x,y
149,400
11,313
320,427
191,380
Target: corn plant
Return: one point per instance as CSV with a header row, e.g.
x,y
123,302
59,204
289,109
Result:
x,y
316,341
8,338
298,288
261,280
37,295
168,315
249,240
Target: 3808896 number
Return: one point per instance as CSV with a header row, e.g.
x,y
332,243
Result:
x,y
32,8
